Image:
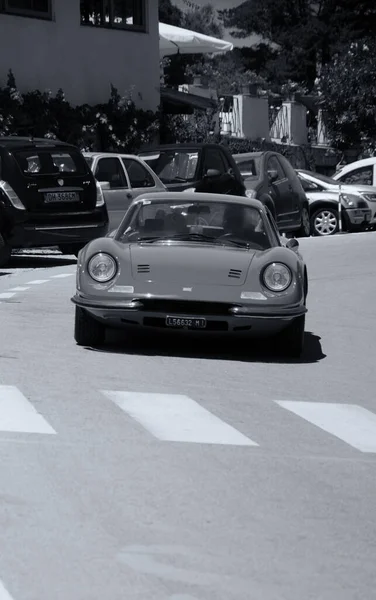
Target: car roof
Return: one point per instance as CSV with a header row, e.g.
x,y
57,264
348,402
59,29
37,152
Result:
x,y
199,196
249,154
12,142
186,146
364,162
110,154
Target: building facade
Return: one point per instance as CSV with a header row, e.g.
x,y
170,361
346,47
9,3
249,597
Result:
x,y
82,47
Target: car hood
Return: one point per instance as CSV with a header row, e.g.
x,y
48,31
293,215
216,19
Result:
x,y
354,188
190,264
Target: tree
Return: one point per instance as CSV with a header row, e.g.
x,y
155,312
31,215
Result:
x,y
203,19
170,14
307,32
348,91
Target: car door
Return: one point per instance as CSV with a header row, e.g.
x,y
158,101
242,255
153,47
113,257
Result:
x,y
140,178
280,189
110,169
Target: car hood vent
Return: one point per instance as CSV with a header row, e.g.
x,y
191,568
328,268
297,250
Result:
x,y
234,273
143,268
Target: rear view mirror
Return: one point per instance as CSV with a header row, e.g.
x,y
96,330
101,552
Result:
x,y
273,175
292,243
213,173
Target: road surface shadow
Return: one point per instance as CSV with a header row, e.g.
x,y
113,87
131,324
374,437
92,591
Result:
x,y
37,261
180,346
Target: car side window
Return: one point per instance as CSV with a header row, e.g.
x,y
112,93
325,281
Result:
x,y
273,164
214,160
363,176
110,169
139,176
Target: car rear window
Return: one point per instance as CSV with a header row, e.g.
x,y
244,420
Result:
x,y
248,167
47,162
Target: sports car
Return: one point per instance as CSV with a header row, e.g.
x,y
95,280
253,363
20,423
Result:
x,y
201,263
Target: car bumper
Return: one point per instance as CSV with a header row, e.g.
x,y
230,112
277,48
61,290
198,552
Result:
x,y
359,216
257,320
31,235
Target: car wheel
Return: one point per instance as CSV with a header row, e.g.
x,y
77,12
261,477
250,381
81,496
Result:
x,y
5,252
325,221
87,331
305,227
291,339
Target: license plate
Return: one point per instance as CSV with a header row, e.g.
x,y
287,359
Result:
x,y
61,197
186,322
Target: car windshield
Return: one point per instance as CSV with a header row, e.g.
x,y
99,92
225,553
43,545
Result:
x,y
218,223
319,177
89,160
249,167
174,166
47,162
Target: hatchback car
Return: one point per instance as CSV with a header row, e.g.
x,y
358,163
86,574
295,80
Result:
x,y
270,178
123,177
48,197
362,195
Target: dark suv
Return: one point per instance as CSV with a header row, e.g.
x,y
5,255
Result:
x,y
206,168
269,177
48,197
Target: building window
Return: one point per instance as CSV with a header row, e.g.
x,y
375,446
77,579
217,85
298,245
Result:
x,y
28,8
116,14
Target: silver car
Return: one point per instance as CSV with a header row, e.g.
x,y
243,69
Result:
x,y
356,198
198,263
123,177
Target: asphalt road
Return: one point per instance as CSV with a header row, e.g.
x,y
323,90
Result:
x,y
233,478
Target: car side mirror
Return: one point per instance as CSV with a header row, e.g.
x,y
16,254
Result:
x,y
213,173
273,175
105,185
292,243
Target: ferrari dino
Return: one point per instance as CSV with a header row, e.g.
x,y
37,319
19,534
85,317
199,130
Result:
x,y
204,263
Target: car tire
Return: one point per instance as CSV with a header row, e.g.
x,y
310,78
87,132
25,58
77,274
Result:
x,y
5,252
291,339
87,331
305,226
72,249
325,222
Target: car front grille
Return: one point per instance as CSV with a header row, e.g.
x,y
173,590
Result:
x,y
183,307
362,204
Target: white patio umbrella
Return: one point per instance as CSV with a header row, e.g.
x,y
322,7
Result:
x,y
176,40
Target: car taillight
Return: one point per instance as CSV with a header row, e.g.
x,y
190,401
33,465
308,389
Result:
x,y
100,197
11,195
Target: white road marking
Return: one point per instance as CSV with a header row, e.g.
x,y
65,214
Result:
x,y
6,295
62,275
351,423
19,289
4,594
37,281
176,418
17,414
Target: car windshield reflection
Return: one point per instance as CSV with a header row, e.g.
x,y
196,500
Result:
x,y
212,223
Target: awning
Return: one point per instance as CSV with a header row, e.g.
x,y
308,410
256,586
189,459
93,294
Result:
x,y
186,100
176,40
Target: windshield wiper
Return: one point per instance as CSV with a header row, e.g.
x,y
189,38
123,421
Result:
x,y
181,236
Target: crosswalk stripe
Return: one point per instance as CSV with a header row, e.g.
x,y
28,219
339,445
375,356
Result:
x,y
351,423
177,418
7,295
18,415
4,594
37,281
19,289
62,275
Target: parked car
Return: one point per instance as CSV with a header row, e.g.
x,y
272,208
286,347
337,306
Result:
x,y
122,177
355,198
360,172
48,197
164,270
205,168
270,178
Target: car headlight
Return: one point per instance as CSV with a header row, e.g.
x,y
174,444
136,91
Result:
x,y
349,200
277,277
102,267
250,193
